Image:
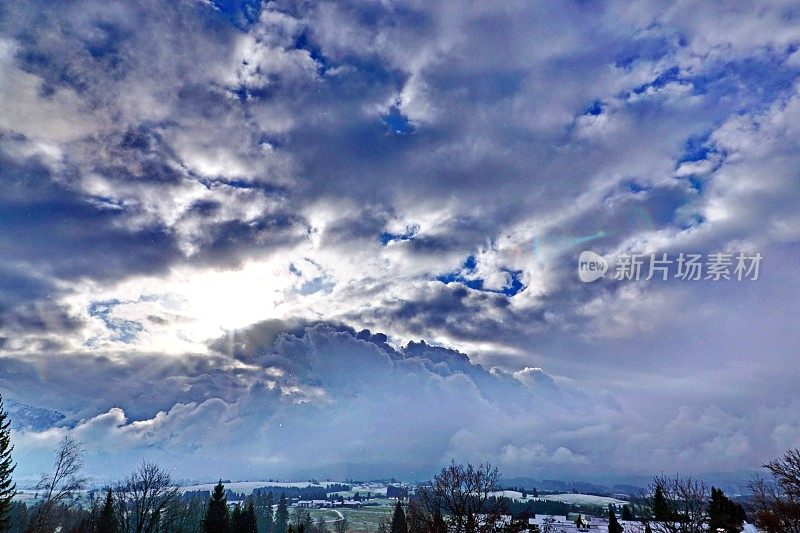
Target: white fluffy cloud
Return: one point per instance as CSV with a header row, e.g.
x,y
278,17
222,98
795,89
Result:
x,y
175,173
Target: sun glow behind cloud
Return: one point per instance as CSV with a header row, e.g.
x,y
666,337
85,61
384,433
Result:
x,y
182,311
250,219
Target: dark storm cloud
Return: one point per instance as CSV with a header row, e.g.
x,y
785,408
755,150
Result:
x,y
52,232
429,402
137,383
51,226
337,375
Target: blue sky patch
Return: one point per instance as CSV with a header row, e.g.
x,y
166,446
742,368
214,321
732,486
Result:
x,y
121,330
397,122
241,13
514,287
386,237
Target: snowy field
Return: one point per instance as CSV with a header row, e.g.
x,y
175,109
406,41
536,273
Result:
x,y
247,487
583,499
575,499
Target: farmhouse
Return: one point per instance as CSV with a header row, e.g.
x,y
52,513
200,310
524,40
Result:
x,y
315,504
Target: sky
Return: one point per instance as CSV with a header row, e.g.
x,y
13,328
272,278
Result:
x,y
341,239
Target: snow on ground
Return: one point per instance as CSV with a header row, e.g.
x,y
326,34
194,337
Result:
x,y
247,487
583,499
576,499
512,494
26,495
374,489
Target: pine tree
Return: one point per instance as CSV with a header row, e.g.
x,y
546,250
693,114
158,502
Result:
x,y
306,521
217,519
249,523
236,518
7,486
661,509
399,519
107,521
613,525
281,516
626,513
723,513
265,515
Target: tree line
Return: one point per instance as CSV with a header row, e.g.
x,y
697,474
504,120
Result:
x,y
147,501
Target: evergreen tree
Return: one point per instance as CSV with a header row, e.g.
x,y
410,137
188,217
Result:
x,y
265,516
7,486
250,524
613,525
217,519
661,509
307,522
399,519
301,517
626,513
107,521
724,513
281,516
19,517
296,516
237,524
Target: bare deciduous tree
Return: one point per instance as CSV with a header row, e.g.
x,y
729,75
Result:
x,y
777,504
147,501
460,499
60,488
185,516
687,501
341,526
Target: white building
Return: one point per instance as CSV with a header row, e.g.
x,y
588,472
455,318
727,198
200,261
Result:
x,y
314,504
586,524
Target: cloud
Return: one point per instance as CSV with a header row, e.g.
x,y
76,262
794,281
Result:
x,y
348,399
281,394
195,198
